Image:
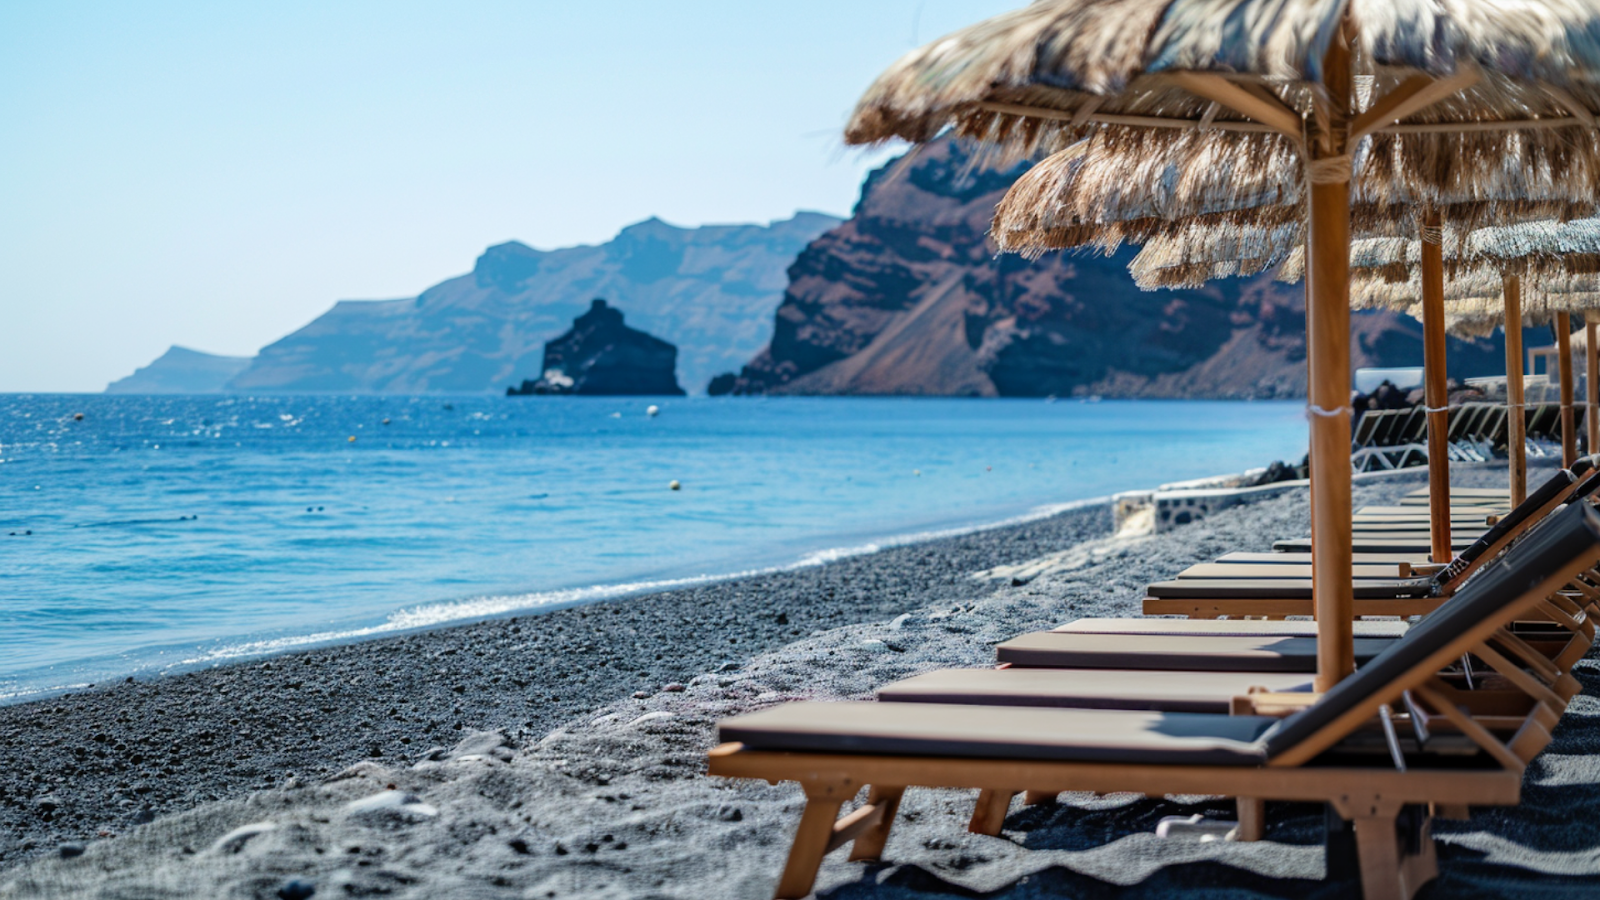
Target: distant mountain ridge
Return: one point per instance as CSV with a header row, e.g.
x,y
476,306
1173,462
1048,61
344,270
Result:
x,y
182,371
709,290
909,296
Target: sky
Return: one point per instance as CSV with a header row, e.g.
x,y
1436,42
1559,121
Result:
x,y
215,175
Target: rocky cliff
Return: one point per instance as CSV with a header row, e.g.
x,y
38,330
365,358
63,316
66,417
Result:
x,y
182,371
709,290
603,357
909,297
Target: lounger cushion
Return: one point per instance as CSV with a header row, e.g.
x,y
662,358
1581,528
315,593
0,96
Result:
x,y
1283,570
1369,544
1199,692
1282,588
1363,628
1278,558
1255,653
1004,732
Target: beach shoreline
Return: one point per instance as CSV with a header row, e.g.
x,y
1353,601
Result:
x,y
586,728
348,694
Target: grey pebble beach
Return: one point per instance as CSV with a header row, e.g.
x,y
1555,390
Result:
x,y
562,754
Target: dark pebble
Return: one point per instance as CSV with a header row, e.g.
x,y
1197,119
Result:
x,y
296,889
68,851
518,845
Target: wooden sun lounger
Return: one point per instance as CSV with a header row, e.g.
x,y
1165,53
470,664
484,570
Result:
x,y
1410,560
1266,597
1468,512
1240,571
1410,543
1373,628
1321,750
1183,653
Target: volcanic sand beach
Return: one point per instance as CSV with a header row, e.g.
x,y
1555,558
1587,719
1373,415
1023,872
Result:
x,y
547,756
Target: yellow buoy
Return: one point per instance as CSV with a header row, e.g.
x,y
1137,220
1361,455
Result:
x,y
352,439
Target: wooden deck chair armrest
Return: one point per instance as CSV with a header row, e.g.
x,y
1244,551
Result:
x,y
1421,569
1268,703
1492,520
1519,677
1485,702
1568,603
1526,654
1553,609
1475,732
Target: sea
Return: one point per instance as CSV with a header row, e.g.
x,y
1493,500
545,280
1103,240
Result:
x,y
142,535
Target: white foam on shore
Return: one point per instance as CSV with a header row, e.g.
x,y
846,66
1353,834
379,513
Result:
x,y
435,615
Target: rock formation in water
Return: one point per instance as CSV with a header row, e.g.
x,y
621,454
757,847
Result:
x,y
601,356
710,290
909,297
182,371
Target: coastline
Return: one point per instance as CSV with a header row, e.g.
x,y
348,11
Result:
x,y
312,712
451,613
589,788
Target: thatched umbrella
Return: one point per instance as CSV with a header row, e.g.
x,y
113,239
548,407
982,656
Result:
x,y
1447,104
1558,259
1049,206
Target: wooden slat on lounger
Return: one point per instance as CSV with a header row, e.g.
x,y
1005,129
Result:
x,y
1256,653
1364,628
1162,691
934,729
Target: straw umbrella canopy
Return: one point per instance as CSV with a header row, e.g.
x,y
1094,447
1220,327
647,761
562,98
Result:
x,y
1447,103
1474,302
1034,217
1556,259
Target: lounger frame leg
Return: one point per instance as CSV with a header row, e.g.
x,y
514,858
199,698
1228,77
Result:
x,y
990,815
1034,798
885,801
1390,869
810,844
1252,819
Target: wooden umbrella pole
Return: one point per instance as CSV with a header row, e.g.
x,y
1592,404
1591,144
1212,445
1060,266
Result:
x,y
1436,393
1328,336
1516,411
1591,387
1569,424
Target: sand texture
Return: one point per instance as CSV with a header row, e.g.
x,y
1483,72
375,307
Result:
x,y
601,793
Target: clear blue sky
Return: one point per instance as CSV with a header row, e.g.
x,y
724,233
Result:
x,y
217,174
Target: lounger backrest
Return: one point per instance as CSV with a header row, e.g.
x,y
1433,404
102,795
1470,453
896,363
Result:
x,y
1363,432
1416,427
1382,423
1499,593
1508,523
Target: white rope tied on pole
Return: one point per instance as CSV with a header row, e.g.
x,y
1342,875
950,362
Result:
x,y
1329,169
1434,409
1314,410
1432,234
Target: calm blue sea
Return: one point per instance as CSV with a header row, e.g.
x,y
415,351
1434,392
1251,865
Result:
x,y
171,532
